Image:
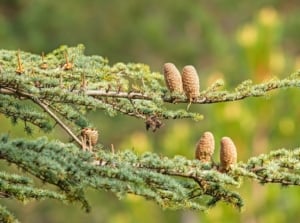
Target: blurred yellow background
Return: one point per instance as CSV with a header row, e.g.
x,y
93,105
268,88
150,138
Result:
x,y
231,40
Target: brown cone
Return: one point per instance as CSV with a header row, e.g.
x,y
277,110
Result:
x,y
190,81
90,137
94,136
228,153
172,78
205,147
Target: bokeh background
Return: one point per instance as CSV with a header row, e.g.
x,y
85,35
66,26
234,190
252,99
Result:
x,y
232,40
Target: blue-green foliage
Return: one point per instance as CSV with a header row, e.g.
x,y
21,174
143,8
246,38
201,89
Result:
x,y
174,183
64,85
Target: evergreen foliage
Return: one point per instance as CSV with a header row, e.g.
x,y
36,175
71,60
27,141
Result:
x,y
62,86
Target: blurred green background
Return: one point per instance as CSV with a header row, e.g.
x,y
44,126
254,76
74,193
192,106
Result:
x,y
233,40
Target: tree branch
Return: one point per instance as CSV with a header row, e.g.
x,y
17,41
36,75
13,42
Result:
x,y
209,96
45,108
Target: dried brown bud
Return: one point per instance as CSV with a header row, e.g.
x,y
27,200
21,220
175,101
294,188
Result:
x,y
89,138
172,78
190,80
228,154
94,136
37,84
20,68
153,122
43,65
68,65
205,147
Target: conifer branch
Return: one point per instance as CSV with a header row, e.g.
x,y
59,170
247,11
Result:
x,y
15,110
61,123
46,109
64,90
212,95
114,80
6,216
171,182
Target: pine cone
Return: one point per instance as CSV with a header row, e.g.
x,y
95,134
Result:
x,y
190,80
89,137
172,78
205,147
94,136
228,154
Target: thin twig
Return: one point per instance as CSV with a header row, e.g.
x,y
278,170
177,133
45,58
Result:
x,y
206,96
46,109
61,123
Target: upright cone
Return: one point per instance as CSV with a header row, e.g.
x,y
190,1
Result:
x,y
94,135
89,138
205,147
190,81
228,154
172,78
